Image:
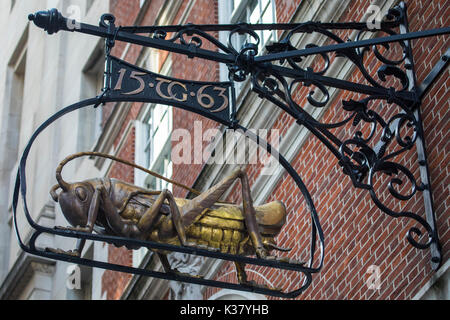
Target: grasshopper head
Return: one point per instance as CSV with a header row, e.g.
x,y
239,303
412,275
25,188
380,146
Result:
x,y
74,200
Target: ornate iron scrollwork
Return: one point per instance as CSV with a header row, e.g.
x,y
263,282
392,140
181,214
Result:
x,y
361,157
379,136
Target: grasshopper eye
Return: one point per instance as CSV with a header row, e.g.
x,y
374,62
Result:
x,y
81,193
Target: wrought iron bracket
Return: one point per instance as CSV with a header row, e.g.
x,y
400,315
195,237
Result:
x,y
277,76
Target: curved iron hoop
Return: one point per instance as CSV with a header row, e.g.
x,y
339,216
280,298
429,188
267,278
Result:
x,y
368,162
21,189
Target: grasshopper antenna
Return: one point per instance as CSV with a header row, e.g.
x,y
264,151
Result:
x,y
74,156
64,184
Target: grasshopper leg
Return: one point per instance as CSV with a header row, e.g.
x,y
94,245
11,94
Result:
x,y
193,209
147,221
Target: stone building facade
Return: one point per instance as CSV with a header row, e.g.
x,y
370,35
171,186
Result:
x,y
41,73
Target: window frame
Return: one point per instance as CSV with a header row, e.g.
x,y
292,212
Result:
x,y
227,15
153,161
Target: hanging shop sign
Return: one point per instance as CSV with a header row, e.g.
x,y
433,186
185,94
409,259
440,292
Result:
x,y
112,211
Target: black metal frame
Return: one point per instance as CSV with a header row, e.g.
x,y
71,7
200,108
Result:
x,y
278,83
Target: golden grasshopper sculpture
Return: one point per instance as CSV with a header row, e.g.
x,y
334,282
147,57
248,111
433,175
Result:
x,y
118,208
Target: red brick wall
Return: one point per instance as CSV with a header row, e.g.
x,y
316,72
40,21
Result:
x,y
113,283
357,233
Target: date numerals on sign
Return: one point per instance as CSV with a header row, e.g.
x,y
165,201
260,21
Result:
x,y
205,100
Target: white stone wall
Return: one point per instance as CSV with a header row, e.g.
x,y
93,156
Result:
x,y
54,77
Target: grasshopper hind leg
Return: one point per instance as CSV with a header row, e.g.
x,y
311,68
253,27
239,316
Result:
x,y
191,211
240,271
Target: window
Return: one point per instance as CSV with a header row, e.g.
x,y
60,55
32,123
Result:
x,y
17,91
90,128
157,148
254,12
96,82
12,114
153,148
12,125
153,145
246,11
